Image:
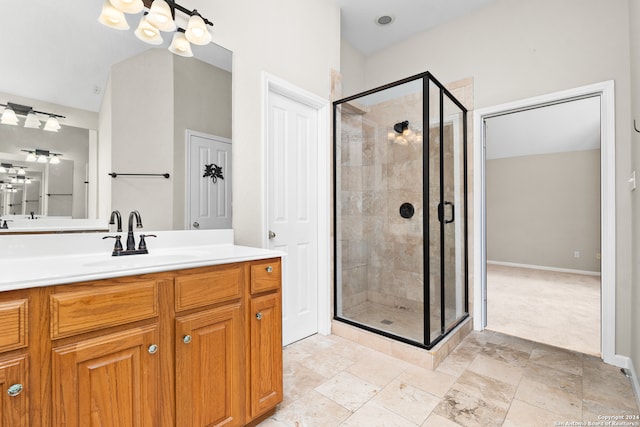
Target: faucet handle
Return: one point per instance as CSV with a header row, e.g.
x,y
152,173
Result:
x,y
117,248
142,246
4,224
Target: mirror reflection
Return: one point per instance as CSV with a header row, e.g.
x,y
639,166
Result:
x,y
63,65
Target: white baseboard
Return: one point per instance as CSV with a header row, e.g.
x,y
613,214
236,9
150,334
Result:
x,y
542,267
634,381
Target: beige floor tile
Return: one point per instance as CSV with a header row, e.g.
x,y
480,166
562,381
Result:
x,y
435,420
469,411
436,383
348,390
510,341
372,415
298,380
506,354
489,389
562,380
501,371
377,368
557,358
459,360
326,363
407,401
522,414
549,398
311,410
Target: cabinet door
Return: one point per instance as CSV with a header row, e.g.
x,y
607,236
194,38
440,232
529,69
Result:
x,y
107,381
210,368
14,410
266,353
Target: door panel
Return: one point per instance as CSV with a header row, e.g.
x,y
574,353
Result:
x,y
14,388
209,198
293,210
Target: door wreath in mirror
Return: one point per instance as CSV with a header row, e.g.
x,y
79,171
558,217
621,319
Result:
x,y
214,171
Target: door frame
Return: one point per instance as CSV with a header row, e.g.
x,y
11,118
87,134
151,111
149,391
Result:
x,y
188,133
272,84
605,90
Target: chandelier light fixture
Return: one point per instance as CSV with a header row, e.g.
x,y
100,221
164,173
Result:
x,y
42,156
158,17
13,110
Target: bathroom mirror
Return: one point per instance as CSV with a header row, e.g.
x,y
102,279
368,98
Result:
x,y
57,58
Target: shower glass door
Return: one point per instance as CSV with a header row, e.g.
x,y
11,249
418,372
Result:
x,y
400,211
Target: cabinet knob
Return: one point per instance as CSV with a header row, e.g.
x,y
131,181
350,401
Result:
x,y
186,339
14,390
269,269
259,315
153,349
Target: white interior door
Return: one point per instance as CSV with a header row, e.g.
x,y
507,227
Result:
x,y
293,211
209,199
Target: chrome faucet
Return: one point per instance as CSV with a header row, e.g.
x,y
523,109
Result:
x,y
131,241
115,215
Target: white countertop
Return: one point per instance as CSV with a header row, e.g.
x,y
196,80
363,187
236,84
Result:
x,y
44,260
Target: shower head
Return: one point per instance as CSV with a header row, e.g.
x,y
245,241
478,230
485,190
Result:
x,y
401,126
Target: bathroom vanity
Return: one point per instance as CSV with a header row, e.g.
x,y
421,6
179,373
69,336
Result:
x,y
145,340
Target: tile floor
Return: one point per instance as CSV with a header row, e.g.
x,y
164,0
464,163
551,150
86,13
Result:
x,y
490,379
560,309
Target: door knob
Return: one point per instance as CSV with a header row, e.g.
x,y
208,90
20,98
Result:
x,y
196,224
272,235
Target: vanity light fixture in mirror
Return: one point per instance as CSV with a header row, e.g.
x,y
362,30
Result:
x,y
13,110
159,17
42,156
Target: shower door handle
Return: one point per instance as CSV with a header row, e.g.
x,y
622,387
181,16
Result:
x,y
453,213
441,208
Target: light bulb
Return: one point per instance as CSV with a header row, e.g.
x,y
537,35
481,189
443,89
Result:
x,y
160,16
32,121
42,158
21,171
9,117
147,32
3,169
197,32
52,124
27,181
31,157
180,45
54,160
112,17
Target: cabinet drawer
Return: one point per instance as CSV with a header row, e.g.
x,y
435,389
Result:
x,y
103,306
13,324
216,285
266,275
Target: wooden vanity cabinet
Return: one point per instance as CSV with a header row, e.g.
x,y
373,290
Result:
x,y
264,382
210,347
15,386
189,348
105,363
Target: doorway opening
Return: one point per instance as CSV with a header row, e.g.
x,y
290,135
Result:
x,y
542,170
604,92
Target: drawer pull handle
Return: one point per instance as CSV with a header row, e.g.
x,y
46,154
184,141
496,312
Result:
x,y
14,390
186,339
153,349
269,269
259,315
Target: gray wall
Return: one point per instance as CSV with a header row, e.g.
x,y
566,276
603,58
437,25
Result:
x,y
543,208
202,100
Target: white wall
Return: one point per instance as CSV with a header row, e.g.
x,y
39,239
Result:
x,y
634,19
298,41
516,49
352,66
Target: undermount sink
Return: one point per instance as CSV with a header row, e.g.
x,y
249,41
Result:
x,y
133,261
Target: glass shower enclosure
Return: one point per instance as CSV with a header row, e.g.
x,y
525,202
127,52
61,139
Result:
x,y
400,210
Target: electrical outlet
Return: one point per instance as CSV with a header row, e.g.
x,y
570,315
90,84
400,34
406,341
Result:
x,y
576,254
